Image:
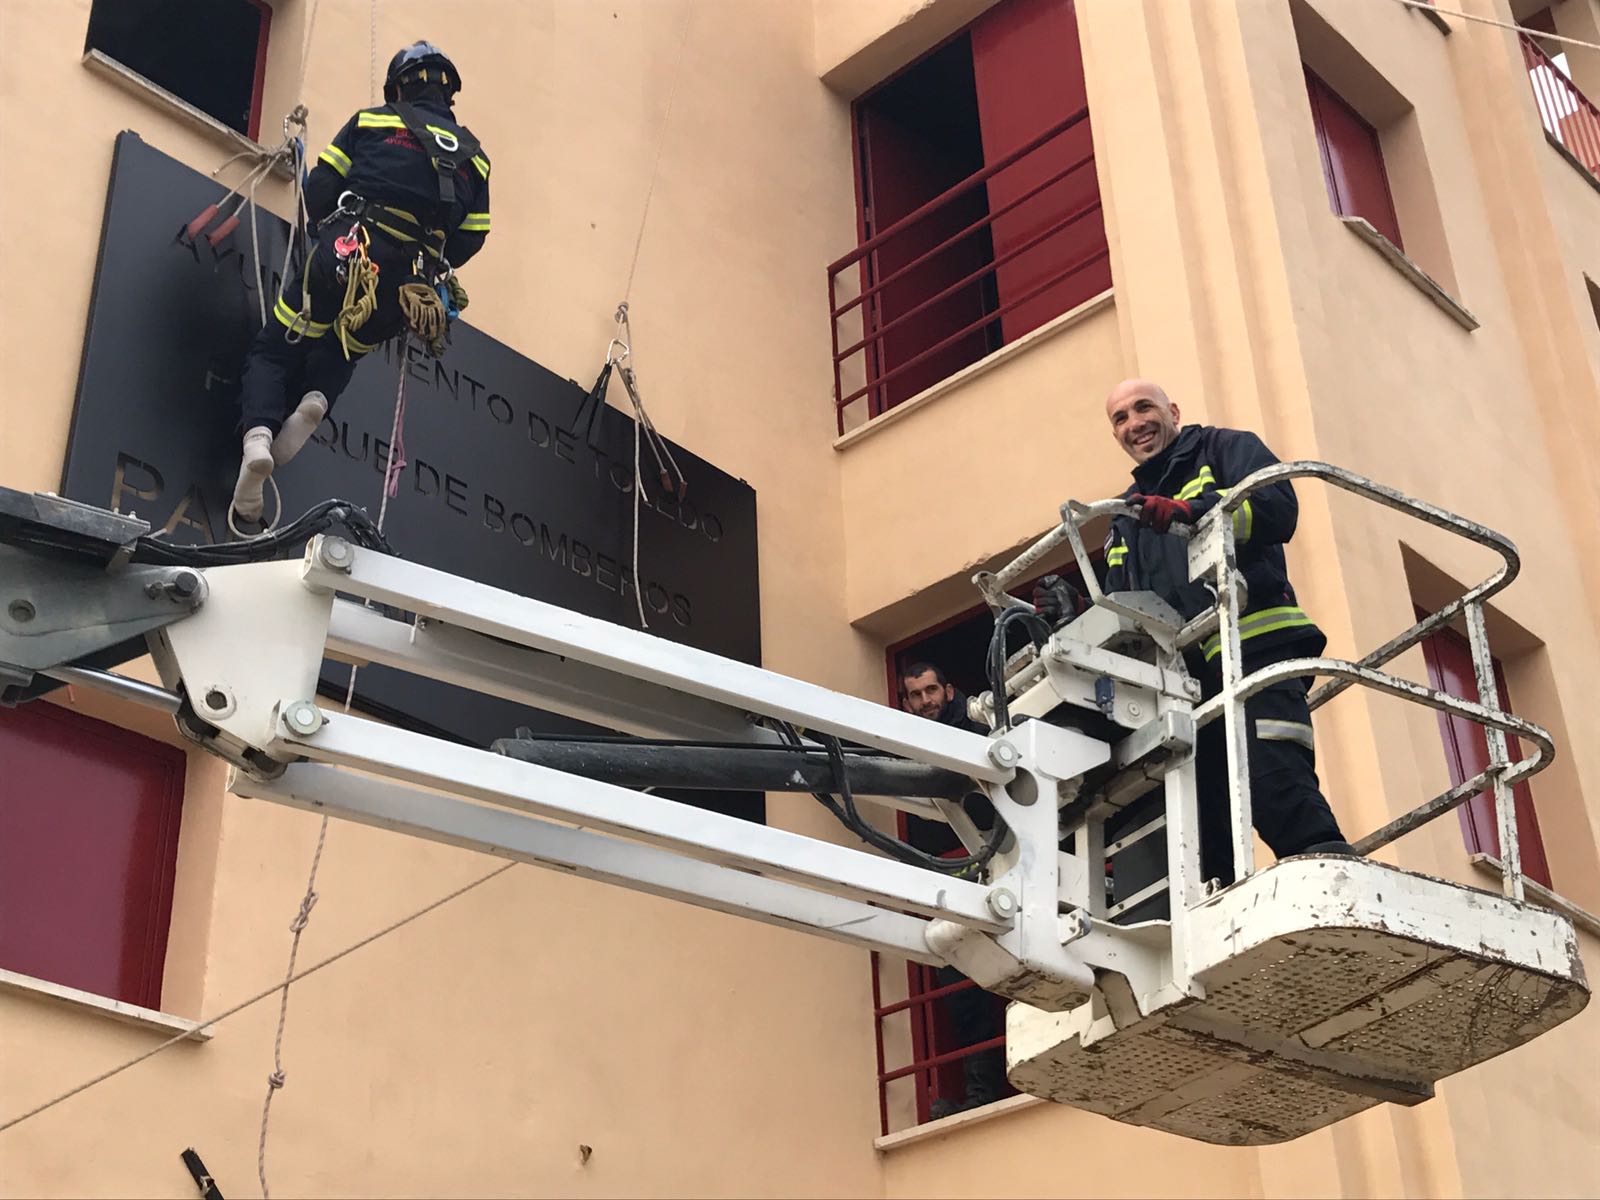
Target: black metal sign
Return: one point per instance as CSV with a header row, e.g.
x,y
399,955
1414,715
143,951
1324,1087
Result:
x,y
499,483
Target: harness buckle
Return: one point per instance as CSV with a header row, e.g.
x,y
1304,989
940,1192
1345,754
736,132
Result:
x,y
446,141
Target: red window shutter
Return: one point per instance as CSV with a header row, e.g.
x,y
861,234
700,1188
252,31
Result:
x,y
902,169
258,84
1466,750
1028,70
1352,161
88,847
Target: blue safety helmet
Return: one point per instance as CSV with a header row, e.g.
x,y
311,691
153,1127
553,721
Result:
x,y
420,62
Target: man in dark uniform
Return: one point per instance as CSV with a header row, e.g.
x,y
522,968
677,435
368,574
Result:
x,y
1180,474
408,186
975,1015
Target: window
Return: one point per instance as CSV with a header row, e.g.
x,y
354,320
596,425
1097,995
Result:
x,y
1569,117
89,818
989,134
950,1025
1466,750
211,54
1352,161
948,1030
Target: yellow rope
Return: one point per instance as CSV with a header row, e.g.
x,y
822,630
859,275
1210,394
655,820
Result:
x,y
360,299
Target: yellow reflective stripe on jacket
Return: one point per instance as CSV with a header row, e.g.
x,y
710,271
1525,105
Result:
x,y
335,158
1268,620
475,223
1116,555
1243,521
290,319
1243,518
1196,485
378,120
482,164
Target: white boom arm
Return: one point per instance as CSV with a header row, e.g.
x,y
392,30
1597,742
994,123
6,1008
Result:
x,y
1111,714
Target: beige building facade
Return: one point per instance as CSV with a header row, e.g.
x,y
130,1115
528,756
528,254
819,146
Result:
x,y
544,1035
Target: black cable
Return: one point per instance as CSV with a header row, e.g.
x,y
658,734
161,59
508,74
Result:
x,y
319,518
851,819
1038,630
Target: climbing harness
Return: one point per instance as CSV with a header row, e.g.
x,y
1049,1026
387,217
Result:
x,y
447,149
429,301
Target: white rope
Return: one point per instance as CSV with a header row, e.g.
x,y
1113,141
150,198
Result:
x,y
1534,33
638,500
305,49
297,927
301,230
372,71
277,1079
255,999
255,250
639,418
661,141
277,515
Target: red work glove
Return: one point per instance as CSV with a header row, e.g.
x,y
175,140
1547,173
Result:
x,y
1159,512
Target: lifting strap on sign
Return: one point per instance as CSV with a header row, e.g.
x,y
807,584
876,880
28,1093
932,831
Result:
x,y
587,418
289,154
671,477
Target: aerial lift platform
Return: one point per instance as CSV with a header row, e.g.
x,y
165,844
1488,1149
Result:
x,y
1301,994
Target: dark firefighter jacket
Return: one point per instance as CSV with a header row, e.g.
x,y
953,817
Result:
x,y
1203,460
376,157
936,837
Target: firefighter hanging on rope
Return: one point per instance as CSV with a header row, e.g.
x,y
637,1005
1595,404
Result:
x,y
398,199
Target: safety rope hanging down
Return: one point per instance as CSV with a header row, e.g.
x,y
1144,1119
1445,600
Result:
x,y
391,486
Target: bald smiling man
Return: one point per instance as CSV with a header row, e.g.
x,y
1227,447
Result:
x,y
1180,473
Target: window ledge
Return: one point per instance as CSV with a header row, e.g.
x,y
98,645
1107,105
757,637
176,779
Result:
x,y
989,362
1577,164
1419,278
950,1124
1537,893
117,1010
136,83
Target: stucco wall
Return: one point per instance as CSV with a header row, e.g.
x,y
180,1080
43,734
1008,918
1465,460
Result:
x,y
474,1051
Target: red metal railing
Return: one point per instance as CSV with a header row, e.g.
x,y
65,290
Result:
x,y
926,1058
870,300
1568,115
